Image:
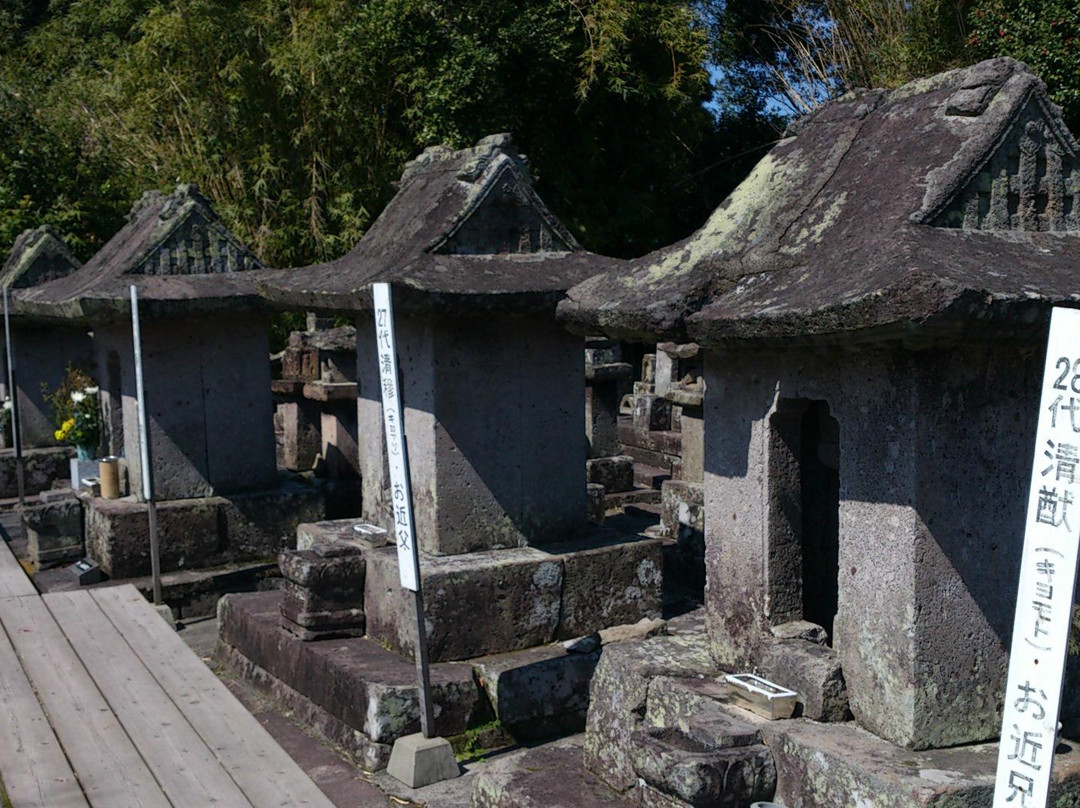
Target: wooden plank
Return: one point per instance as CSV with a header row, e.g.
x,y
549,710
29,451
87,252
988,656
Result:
x,y
32,765
112,773
265,772
180,761
14,582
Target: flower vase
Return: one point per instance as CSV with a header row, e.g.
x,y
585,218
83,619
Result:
x,y
84,452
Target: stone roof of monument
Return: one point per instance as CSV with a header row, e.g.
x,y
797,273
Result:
x,y
465,231
946,207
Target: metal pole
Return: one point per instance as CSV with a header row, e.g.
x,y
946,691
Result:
x,y
144,448
16,425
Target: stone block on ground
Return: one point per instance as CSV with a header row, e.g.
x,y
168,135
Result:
x,y
841,765
41,468
418,761
539,692
618,696
811,670
324,591
357,681
118,535
547,777
340,531
614,473
608,582
475,603
53,531
696,775
652,413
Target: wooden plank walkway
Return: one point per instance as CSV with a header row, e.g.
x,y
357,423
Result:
x,y
103,705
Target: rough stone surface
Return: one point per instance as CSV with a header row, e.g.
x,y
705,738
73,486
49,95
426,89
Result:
x,y
539,692
811,670
688,770
474,604
608,585
596,503
926,553
547,777
41,467
619,692
201,532
355,680
615,473
324,591
682,521
861,223
839,766
53,532
489,469
340,531
369,755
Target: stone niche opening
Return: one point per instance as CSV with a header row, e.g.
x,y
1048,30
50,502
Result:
x,y
804,511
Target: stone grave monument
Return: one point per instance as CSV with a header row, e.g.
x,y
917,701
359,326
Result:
x,y
494,395
207,379
872,304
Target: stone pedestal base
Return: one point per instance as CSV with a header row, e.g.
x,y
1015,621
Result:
x,y
198,533
418,761
53,531
505,600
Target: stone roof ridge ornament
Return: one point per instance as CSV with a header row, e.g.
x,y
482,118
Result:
x,y
495,167
38,255
1017,166
186,238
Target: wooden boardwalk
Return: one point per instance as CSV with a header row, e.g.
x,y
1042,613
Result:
x,y
103,705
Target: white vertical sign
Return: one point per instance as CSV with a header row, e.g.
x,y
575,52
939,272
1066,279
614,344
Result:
x,y
1047,575
394,428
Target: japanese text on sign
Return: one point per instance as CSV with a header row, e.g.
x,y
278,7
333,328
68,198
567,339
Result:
x,y
393,427
1047,576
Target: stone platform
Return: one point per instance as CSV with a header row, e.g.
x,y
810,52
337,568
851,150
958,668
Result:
x,y
361,696
203,532
506,600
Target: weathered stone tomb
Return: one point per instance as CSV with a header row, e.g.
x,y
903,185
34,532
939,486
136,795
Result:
x,y
872,303
207,378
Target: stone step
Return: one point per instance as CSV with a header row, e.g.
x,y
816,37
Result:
x,y
546,777
646,476
355,692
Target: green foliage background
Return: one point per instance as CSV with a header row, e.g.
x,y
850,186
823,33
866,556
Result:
x,y
296,116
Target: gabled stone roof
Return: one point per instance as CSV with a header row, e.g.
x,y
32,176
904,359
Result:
x,y
941,208
174,248
37,256
465,229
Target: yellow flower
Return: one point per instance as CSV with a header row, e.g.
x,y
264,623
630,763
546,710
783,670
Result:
x,y
59,434
69,424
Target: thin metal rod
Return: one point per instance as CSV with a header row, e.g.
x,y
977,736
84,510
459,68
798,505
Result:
x,y
427,712
144,448
16,424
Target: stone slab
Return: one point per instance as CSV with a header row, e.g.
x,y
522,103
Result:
x,y
41,468
539,692
339,531
496,601
840,765
198,533
475,604
614,473
619,692
357,681
53,532
546,777
608,584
